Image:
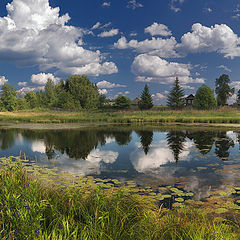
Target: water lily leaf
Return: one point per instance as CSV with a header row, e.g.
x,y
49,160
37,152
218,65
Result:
x,y
166,196
152,194
189,194
177,204
179,199
181,194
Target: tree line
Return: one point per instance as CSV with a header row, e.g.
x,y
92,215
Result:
x,y
204,98
78,93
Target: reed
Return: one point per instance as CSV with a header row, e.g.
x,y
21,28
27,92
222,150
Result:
x,y
30,210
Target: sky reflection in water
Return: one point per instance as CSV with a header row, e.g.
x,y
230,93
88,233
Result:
x,y
198,161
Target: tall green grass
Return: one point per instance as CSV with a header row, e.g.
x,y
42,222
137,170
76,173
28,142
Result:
x,y
30,210
95,116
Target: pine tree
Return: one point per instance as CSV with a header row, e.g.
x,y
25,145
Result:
x,y
146,101
176,96
238,97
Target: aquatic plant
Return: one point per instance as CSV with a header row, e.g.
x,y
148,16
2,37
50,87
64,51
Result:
x,y
30,209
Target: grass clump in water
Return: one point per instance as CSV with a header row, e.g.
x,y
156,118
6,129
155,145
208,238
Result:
x,y
30,210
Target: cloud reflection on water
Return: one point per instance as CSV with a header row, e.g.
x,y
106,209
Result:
x,y
159,154
92,165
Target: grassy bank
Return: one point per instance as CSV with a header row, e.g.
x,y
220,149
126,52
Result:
x,y
30,210
224,115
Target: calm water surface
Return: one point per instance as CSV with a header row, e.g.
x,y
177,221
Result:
x,y
197,161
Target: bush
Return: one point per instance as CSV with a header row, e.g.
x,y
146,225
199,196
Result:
x,y
204,98
122,102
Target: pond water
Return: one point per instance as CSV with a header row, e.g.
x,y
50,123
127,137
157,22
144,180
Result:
x,y
194,160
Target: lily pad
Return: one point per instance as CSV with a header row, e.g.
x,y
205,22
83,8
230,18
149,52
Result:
x,y
166,196
178,204
152,194
189,194
179,199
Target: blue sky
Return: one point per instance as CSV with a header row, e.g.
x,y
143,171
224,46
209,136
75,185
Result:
x,y
120,45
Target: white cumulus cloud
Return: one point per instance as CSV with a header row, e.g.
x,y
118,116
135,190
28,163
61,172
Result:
x,y
22,84
158,29
106,4
34,34
41,78
217,38
111,33
95,69
103,91
156,46
149,68
3,80
106,84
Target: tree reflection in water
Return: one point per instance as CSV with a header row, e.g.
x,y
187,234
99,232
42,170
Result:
x,y
7,138
203,140
223,144
176,141
78,144
146,138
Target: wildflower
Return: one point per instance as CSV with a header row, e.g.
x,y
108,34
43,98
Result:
x,y
82,227
60,227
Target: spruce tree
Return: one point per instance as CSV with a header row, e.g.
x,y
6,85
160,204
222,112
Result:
x,y
238,97
223,89
146,101
176,96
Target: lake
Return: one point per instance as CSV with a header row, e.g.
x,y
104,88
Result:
x,y
195,160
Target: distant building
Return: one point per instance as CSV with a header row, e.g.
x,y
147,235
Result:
x,y
189,100
135,102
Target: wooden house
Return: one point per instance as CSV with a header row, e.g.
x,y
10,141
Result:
x,y
189,100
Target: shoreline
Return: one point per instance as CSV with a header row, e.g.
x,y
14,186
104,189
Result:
x,y
72,126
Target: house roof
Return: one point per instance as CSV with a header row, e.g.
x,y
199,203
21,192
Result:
x,y
190,97
135,101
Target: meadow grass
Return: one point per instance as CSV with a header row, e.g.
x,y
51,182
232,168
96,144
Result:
x,y
31,210
223,115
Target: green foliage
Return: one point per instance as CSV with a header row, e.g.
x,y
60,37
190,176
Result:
x,y
102,100
9,97
30,210
122,102
31,99
176,96
50,93
22,104
238,96
41,98
204,98
223,89
66,101
85,94
146,101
